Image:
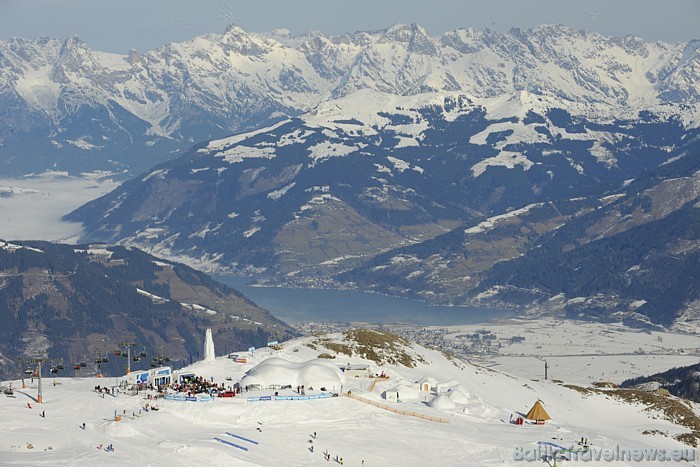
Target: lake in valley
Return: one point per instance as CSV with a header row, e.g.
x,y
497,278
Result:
x,y
296,306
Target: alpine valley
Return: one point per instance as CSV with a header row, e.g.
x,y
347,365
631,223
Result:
x,y
550,168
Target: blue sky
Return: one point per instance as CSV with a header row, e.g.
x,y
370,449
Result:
x,y
119,25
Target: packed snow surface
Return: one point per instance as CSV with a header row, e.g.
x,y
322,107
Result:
x,y
474,402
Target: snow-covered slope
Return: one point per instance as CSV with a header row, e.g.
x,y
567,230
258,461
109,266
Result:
x,y
93,105
370,171
477,409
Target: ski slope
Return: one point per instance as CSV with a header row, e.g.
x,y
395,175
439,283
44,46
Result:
x,y
278,432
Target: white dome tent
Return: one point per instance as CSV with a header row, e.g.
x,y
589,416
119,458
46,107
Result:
x,y
277,372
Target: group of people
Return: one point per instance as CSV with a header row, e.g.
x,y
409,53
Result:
x,y
327,454
102,390
339,460
141,386
200,385
109,448
148,407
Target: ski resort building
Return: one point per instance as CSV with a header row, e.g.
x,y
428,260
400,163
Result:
x,y
403,391
157,376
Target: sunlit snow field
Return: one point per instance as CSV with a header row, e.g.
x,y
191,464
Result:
x,y
279,432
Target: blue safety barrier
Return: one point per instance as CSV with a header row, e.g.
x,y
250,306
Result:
x,y
241,437
231,444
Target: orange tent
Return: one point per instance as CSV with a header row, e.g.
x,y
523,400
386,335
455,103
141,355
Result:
x,y
538,413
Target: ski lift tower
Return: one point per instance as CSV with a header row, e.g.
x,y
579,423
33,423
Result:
x,y
22,366
128,346
546,366
39,361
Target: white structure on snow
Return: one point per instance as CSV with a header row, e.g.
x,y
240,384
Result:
x,y
427,384
403,391
209,354
277,372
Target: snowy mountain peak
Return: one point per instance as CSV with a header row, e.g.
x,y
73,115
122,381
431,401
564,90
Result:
x,y
413,36
73,43
235,39
279,34
234,29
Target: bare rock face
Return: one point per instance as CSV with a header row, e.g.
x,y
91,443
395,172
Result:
x,y
134,57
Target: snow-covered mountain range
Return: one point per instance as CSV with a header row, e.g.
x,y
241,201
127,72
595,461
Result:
x,y
359,144
343,188
69,107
